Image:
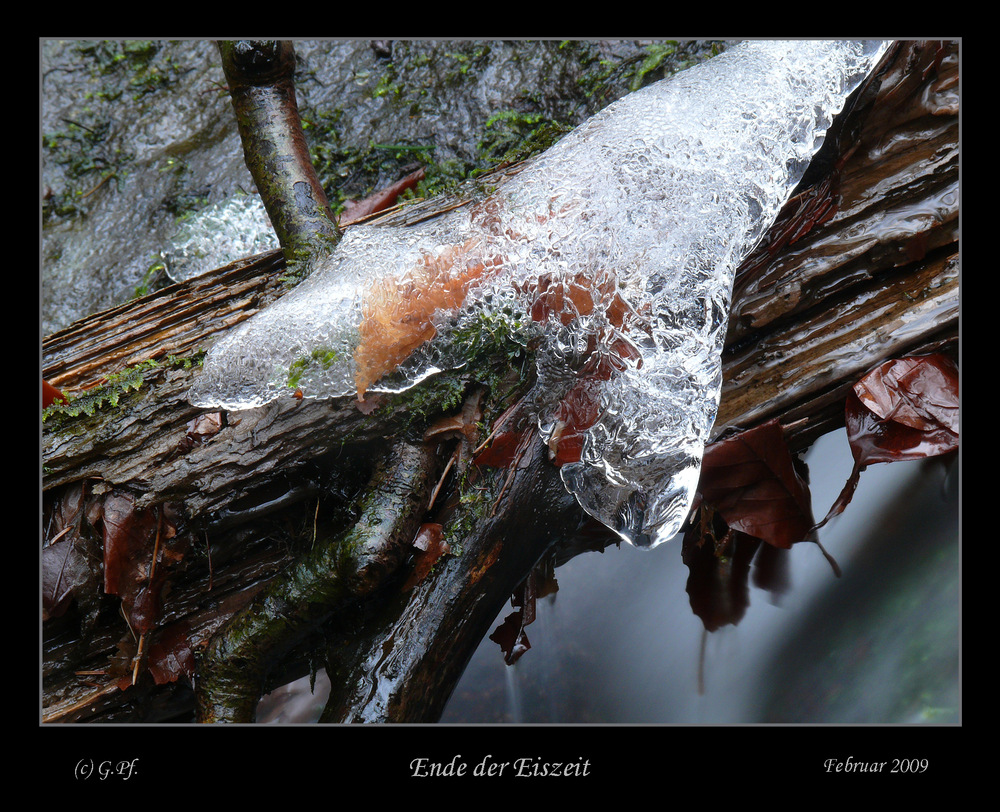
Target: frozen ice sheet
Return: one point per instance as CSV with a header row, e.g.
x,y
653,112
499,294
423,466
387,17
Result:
x,y
616,249
232,229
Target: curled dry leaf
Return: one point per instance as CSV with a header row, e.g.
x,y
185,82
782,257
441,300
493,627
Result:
x,y
511,638
463,425
200,430
751,480
904,409
510,634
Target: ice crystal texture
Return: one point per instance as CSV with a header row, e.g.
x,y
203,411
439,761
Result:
x,y
232,229
618,244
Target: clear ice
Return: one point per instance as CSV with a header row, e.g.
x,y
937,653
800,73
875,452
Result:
x,y
620,242
232,229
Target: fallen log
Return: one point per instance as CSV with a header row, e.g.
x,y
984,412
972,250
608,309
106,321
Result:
x,y
861,266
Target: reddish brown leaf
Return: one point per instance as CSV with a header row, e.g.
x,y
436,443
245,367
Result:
x,y
381,200
171,656
751,480
510,635
50,394
511,638
128,542
905,409
71,567
576,413
140,547
65,572
431,545
463,425
721,563
718,572
506,449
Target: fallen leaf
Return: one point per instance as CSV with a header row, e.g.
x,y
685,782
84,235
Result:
x,y
510,635
751,480
380,200
66,572
904,409
171,655
511,638
720,564
71,568
431,545
140,548
397,314
50,394
718,575
919,393
507,449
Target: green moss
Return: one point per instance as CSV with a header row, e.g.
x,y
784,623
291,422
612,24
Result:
x,y
430,398
91,150
154,273
321,357
502,333
512,136
88,161
114,391
606,79
493,343
476,500
109,393
139,66
349,172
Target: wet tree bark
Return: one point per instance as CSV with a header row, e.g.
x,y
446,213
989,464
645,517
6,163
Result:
x,y
861,266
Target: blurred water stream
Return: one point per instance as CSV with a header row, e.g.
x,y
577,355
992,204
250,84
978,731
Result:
x,y
881,644
618,643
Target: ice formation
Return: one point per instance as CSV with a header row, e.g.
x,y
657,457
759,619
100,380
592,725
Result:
x,y
618,244
232,229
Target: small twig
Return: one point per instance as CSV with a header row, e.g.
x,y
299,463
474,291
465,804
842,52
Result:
x,y
137,660
59,535
104,180
497,425
447,468
208,551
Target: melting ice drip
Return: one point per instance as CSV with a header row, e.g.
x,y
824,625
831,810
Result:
x,y
619,242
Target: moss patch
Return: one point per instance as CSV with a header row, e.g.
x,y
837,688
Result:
x,y
114,391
